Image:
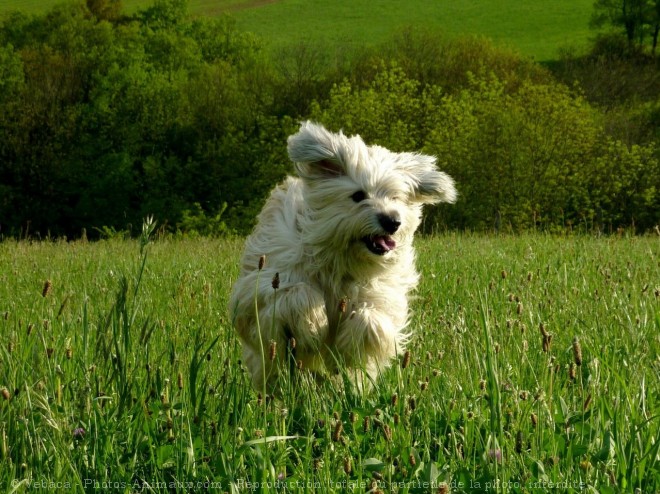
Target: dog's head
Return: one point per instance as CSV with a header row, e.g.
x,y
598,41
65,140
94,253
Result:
x,y
363,198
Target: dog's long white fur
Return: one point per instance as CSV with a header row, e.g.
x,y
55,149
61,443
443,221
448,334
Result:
x,y
314,232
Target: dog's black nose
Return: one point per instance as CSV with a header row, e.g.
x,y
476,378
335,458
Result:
x,y
390,222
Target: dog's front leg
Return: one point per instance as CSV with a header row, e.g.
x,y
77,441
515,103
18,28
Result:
x,y
294,310
301,312
369,337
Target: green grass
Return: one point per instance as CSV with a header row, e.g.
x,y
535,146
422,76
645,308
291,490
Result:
x,y
535,29
139,353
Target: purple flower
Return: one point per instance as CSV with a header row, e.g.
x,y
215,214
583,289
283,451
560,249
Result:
x,y
495,454
78,433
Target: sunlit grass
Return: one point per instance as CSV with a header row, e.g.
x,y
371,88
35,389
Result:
x,y
129,374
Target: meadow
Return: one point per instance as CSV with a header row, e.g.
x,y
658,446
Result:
x,y
535,29
533,368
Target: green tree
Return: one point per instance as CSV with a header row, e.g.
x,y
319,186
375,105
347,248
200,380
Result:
x,y
633,16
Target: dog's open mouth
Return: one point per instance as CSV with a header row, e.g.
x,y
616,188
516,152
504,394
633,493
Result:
x,y
379,244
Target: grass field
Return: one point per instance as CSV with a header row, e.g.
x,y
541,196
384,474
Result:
x,y
119,371
535,29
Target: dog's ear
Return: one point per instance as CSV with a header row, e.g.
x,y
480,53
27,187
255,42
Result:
x,y
315,152
429,185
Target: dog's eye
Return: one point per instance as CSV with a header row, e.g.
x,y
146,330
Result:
x,y
359,196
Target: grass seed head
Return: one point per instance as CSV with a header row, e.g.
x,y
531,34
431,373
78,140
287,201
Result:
x,y
276,281
519,442
534,419
387,432
572,371
547,341
348,467
5,394
342,305
48,285
262,262
273,350
336,433
577,351
406,359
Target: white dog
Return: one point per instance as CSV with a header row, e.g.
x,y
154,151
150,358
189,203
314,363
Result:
x,y
340,237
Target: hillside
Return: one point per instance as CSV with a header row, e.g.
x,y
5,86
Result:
x,y
536,29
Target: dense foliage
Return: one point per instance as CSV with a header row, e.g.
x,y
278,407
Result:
x,y
106,118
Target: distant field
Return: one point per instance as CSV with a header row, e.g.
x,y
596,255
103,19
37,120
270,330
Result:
x,y
536,29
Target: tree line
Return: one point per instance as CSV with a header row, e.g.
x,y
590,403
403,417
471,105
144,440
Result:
x,y
106,118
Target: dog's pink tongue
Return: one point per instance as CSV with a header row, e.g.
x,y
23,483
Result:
x,y
384,242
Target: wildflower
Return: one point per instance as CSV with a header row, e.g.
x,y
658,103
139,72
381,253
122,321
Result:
x,y
78,433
